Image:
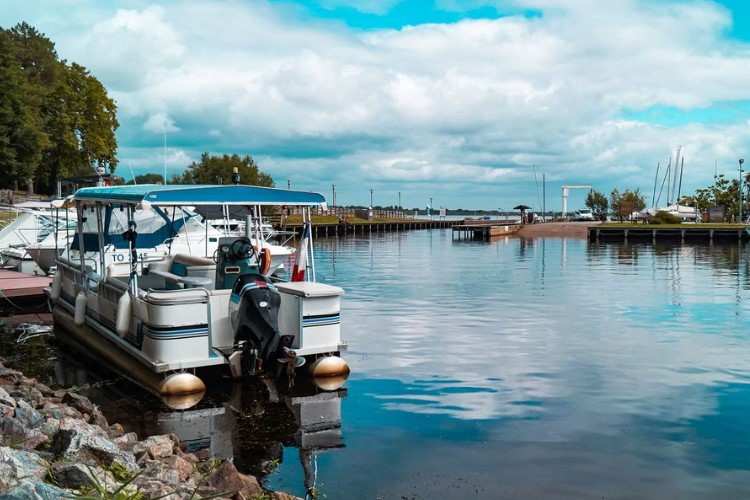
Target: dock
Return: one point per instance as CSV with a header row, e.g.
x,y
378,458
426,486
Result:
x,y
21,292
369,227
691,233
484,231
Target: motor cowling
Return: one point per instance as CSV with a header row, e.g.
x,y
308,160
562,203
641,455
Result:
x,y
253,314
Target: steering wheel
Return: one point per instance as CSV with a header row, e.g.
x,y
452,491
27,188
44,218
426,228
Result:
x,y
242,249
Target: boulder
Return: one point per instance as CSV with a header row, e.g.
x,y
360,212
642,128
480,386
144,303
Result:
x,y
156,489
6,398
31,490
17,435
21,464
183,467
156,446
27,415
226,479
76,475
9,377
155,470
80,403
115,431
78,440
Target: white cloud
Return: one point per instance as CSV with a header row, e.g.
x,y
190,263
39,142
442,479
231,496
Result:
x,y
160,123
426,108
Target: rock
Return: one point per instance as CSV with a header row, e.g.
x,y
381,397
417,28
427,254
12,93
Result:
x,y
156,489
126,440
50,426
278,495
46,391
7,411
80,403
100,420
17,435
27,415
226,479
28,490
183,467
76,475
9,377
202,455
6,398
22,464
115,431
153,469
78,440
156,446
37,397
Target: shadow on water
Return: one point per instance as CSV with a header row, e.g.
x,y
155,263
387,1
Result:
x,y
251,422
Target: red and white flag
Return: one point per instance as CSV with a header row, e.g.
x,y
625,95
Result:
x,y
300,264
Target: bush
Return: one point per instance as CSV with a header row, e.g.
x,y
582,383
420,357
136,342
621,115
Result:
x,y
662,217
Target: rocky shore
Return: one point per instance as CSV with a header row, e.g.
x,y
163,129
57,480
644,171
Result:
x,y
57,444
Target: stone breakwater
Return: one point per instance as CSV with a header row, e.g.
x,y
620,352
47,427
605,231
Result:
x,y
57,444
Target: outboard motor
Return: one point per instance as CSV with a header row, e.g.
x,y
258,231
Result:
x,y
253,305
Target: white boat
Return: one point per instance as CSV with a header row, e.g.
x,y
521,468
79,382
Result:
x,y
33,224
183,233
163,320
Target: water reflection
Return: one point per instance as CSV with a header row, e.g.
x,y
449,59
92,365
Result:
x,y
249,423
538,368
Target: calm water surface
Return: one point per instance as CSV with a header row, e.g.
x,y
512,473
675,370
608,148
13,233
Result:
x,y
545,368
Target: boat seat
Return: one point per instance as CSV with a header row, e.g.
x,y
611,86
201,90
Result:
x,y
178,266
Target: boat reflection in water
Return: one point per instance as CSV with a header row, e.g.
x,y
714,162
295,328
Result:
x,y
249,423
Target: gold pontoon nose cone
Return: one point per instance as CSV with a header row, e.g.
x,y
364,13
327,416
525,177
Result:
x,y
330,383
182,401
328,366
181,383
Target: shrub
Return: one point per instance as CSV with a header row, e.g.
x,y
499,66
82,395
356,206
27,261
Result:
x,y
662,217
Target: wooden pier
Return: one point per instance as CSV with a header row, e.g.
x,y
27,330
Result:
x,y
21,292
484,232
692,233
370,227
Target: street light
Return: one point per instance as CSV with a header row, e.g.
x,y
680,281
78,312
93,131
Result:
x,y
370,198
399,200
333,198
741,162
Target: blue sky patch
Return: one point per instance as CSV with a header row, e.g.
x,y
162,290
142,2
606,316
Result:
x,y
406,13
668,116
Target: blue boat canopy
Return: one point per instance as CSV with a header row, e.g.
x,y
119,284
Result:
x,y
196,194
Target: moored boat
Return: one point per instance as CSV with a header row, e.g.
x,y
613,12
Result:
x,y
162,320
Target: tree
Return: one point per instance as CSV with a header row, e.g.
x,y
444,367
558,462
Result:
x,y
218,170
635,197
723,192
598,203
68,122
147,179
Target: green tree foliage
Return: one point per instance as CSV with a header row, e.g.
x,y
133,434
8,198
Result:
x,y
723,192
65,122
218,169
598,203
635,197
663,217
147,179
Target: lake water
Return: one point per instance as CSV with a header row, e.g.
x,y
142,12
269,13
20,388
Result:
x,y
545,368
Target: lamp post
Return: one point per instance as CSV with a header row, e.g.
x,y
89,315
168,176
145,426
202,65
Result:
x,y
333,198
399,200
370,198
430,207
742,160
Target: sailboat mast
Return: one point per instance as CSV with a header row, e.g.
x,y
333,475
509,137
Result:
x,y
679,186
656,179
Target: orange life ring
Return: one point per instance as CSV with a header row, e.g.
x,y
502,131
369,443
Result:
x,y
264,262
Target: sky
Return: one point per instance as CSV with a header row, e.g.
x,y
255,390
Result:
x,y
469,103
